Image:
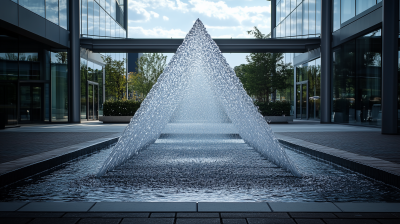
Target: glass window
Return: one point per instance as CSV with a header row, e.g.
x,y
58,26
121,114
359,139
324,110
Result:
x,y
287,6
311,16
90,17
108,24
336,15
299,23
287,25
278,13
34,6
293,24
84,71
84,17
347,10
102,3
317,98
362,5
8,58
293,5
64,14
113,5
305,18
108,6
102,22
112,28
96,19
318,17
283,29
59,87
52,11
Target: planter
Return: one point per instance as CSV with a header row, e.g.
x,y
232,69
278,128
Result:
x,y
115,119
279,119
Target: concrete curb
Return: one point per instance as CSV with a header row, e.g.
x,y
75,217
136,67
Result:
x,y
41,166
377,169
264,207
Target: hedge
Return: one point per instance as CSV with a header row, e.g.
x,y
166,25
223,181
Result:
x,y
120,107
277,108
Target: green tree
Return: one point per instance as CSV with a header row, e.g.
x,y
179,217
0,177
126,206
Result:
x,y
265,73
149,68
115,77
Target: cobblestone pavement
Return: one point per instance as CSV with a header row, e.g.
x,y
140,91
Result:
x,y
15,145
374,144
196,217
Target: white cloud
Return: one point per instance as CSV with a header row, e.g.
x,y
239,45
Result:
x,y
174,5
222,11
154,14
165,18
156,32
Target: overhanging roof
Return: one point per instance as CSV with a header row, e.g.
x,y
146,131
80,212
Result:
x,y
225,45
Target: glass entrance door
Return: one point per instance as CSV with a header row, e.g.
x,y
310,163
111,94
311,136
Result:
x,y
301,100
93,101
31,102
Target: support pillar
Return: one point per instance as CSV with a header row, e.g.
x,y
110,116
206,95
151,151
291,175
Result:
x,y
326,55
390,33
74,63
273,18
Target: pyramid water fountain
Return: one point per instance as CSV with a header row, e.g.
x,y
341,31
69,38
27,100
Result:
x,y
198,87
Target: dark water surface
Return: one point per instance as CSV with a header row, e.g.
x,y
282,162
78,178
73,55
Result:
x,y
206,171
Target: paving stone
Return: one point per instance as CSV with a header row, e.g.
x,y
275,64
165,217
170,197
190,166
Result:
x,y
162,215
366,215
54,220
11,206
309,221
147,221
303,207
233,207
269,221
144,207
57,207
311,215
107,215
14,220
234,221
99,221
198,221
32,214
389,221
368,207
350,221
197,215
254,215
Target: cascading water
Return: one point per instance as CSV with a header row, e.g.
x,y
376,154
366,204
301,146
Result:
x,y
198,87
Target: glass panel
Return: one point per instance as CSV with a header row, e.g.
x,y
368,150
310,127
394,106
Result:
x,y
362,5
287,25
108,6
59,87
317,98
84,70
298,101
347,10
282,7
84,17
8,102
293,23
287,6
90,17
112,28
90,101
113,5
102,22
52,11
36,6
31,102
96,102
318,17
8,58
305,17
311,17
29,66
25,103
46,102
292,5
36,106
64,14
278,13
336,15
299,23
304,101
100,81
108,25
311,88
96,19
369,78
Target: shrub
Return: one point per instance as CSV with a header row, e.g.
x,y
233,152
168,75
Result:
x,y
120,107
277,108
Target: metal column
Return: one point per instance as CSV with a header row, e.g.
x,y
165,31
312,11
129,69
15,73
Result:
x,y
273,17
326,55
74,63
390,32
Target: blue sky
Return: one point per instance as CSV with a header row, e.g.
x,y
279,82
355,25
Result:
x,y
174,18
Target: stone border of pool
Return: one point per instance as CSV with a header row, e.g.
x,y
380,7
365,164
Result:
x,y
378,169
198,207
32,165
